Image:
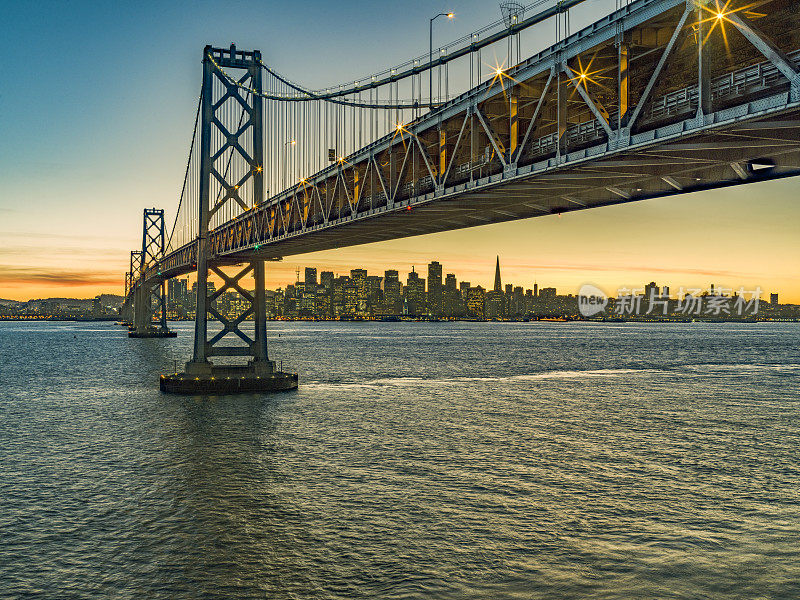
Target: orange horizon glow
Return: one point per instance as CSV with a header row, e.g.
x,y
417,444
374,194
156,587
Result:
x,y
720,237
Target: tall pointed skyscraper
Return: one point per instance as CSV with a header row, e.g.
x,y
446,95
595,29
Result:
x,y
498,286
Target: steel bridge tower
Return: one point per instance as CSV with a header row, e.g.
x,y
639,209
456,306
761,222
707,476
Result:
x,y
259,373
150,302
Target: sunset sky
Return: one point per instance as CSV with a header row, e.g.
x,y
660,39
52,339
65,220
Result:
x,y
97,102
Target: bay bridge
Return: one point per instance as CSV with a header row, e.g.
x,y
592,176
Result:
x,y
656,98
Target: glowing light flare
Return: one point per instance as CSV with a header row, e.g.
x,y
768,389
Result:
x,y
499,71
718,16
584,75
399,130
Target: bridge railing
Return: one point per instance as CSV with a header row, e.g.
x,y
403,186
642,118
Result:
x,y
750,80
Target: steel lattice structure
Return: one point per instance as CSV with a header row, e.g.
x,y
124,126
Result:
x,y
660,97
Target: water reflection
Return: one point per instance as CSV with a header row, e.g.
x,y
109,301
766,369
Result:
x,y
449,461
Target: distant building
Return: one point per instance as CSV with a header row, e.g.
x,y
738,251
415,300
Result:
x,y
323,307
177,292
374,293
359,280
415,294
516,304
493,305
351,297
435,288
311,277
392,293
773,299
290,302
451,297
338,300
494,301
476,297
651,290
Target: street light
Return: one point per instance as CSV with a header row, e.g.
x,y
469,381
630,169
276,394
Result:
x,y
285,168
430,53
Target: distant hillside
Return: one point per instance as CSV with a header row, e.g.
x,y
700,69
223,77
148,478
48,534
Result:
x,y
105,299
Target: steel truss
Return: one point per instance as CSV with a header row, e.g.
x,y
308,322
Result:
x,y
663,109
249,135
591,121
150,304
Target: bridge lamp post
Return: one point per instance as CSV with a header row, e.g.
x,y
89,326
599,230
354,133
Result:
x,y
285,164
430,53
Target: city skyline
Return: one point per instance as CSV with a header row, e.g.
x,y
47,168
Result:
x,y
487,279
437,293
432,292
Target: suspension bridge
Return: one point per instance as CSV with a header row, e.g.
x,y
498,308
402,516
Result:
x,y
657,98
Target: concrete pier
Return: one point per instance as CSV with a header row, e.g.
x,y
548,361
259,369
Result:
x,y
208,379
154,332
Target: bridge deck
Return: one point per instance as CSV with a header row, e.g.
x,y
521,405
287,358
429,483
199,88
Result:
x,y
543,138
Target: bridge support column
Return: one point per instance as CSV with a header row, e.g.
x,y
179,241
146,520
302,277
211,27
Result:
x,y
703,66
222,187
150,301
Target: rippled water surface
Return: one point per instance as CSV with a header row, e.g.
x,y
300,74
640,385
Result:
x,y
438,460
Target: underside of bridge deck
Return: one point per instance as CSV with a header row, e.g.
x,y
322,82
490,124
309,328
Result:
x,y
664,97
742,153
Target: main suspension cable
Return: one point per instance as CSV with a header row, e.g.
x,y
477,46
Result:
x,y
188,165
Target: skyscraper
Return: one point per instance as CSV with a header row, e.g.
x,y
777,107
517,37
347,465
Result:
x,y
435,288
324,300
359,278
374,293
451,297
415,293
392,292
475,301
311,277
494,305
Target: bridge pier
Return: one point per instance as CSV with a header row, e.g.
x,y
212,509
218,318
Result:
x,y
258,374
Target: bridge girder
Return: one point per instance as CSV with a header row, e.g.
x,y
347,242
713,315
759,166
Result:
x,y
646,102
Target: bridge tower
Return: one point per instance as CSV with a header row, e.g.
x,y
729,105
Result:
x,y
149,304
131,281
246,142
